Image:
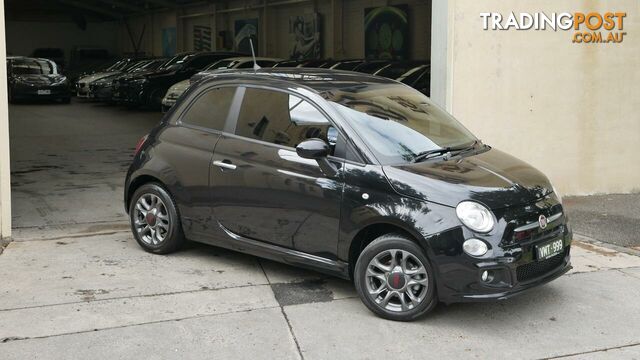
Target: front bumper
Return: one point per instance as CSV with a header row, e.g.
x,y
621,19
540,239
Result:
x,y
512,265
130,93
100,92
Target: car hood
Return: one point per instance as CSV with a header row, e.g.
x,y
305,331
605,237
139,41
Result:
x,y
41,79
493,178
158,74
97,76
140,73
108,78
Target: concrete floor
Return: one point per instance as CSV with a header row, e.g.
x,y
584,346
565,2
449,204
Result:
x,y
76,285
68,162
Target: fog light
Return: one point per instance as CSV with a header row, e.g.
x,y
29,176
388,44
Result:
x,y
485,276
475,247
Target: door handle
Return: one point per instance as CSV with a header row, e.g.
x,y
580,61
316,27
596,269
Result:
x,y
226,164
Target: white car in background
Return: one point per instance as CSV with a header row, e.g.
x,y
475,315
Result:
x,y
243,62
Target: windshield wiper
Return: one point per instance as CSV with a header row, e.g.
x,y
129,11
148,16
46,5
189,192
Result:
x,y
441,151
426,154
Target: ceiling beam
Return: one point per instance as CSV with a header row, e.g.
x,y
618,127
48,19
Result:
x,y
93,8
124,5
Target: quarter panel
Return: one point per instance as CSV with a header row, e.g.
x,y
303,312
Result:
x,y
182,155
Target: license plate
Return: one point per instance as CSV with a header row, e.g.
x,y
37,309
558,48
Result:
x,y
549,249
44,92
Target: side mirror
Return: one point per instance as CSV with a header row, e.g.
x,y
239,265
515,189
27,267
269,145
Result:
x,y
313,149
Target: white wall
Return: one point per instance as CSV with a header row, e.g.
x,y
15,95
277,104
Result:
x,y
5,172
24,37
570,110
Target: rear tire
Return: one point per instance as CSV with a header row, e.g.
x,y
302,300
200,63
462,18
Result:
x,y
394,279
155,221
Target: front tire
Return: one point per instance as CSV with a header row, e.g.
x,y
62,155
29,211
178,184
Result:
x,y
394,279
155,221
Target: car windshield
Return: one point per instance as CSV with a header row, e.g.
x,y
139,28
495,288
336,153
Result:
x,y
136,65
397,122
33,67
176,62
119,65
152,65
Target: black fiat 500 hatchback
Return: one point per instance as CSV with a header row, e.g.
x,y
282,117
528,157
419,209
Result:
x,y
353,175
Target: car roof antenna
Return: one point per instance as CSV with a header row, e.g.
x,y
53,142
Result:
x,y
256,67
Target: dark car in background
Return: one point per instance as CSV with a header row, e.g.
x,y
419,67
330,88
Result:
x,y
36,79
418,78
289,63
241,62
349,65
119,67
102,89
148,89
353,175
396,69
371,66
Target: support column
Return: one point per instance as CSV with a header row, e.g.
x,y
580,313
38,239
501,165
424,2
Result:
x,y
5,169
441,36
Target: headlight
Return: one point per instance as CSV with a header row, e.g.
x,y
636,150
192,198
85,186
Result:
x,y
558,195
475,216
475,247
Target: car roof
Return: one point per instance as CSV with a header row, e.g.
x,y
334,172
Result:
x,y
319,80
27,58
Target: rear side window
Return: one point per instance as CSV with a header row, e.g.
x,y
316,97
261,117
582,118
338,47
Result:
x,y
281,118
210,109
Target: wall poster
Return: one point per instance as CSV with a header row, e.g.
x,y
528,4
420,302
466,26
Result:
x,y
386,31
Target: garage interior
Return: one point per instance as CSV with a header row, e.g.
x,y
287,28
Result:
x,y
68,162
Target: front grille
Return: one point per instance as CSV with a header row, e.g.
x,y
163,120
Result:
x,y
537,269
537,234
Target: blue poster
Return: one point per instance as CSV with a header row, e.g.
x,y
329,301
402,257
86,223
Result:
x,y
169,42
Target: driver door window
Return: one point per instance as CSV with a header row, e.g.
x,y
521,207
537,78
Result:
x,y
281,119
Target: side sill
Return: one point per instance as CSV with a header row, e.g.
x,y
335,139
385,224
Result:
x,y
284,255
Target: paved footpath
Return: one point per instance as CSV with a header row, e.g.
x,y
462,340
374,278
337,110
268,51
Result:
x,y
78,292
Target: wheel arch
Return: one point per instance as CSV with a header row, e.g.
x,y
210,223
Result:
x,y
137,182
374,230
